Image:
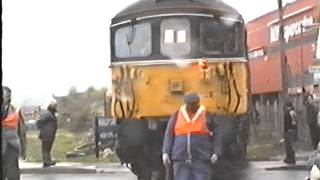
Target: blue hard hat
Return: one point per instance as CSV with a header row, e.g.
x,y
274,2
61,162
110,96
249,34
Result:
x,y
191,98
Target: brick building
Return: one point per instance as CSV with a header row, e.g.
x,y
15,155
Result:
x,y
264,48
264,57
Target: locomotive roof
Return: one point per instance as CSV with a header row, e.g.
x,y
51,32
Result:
x,y
153,7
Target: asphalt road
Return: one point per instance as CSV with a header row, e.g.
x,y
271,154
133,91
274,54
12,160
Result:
x,y
252,175
255,171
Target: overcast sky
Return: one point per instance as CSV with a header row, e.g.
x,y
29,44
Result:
x,y
50,45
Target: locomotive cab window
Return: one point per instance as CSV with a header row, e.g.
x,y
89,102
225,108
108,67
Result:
x,y
133,41
219,38
175,37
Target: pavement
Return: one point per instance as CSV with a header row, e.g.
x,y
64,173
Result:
x,y
78,168
276,162
71,168
278,165
300,156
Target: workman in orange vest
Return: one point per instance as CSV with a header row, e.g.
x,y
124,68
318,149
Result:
x,y
13,137
188,142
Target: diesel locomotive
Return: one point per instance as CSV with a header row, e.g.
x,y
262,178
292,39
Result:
x,y
161,49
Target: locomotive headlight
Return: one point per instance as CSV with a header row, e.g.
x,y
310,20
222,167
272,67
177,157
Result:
x,y
203,64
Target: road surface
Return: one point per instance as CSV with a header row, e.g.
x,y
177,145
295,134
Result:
x,y
255,174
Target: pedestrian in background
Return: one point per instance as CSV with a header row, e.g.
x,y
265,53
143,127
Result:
x,y
47,125
312,119
290,132
188,142
13,137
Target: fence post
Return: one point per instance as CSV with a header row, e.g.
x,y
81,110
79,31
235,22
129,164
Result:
x,y
96,133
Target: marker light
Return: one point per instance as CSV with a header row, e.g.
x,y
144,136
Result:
x,y
203,64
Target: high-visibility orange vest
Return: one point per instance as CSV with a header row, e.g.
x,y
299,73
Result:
x,y
12,120
196,125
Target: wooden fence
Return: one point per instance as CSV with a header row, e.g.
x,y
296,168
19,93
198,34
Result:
x,y
269,125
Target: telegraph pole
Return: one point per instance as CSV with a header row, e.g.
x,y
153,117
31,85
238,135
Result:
x,y
283,59
302,59
283,65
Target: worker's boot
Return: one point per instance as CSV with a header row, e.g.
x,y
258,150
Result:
x,y
48,164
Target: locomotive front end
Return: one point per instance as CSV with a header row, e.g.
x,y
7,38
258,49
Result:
x,y
159,51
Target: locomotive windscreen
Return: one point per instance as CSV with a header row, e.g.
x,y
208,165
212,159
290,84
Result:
x,y
185,36
219,38
133,41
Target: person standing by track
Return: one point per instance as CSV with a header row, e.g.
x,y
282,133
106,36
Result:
x,y
188,142
47,125
13,137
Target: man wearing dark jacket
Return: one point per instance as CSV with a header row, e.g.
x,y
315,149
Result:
x,y
290,132
188,142
312,119
47,125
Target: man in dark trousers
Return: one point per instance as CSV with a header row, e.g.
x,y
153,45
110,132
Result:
x,y
13,137
290,132
188,142
47,125
312,119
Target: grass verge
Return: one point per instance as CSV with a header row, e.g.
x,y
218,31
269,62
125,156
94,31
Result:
x,y
64,142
